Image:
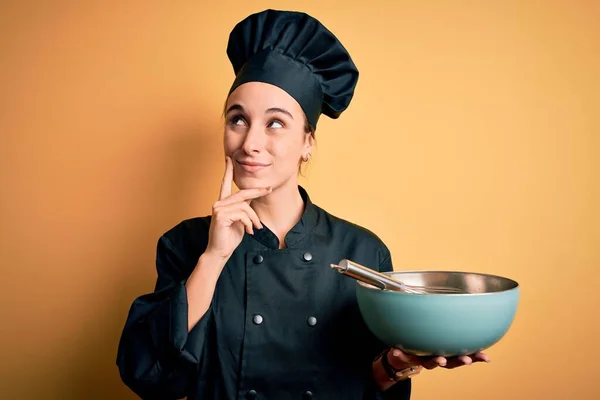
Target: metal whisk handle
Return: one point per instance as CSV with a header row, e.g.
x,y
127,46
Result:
x,y
367,275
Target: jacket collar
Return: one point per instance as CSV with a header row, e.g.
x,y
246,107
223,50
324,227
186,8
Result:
x,y
303,227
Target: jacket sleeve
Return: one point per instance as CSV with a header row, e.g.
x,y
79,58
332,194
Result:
x,y
156,356
400,390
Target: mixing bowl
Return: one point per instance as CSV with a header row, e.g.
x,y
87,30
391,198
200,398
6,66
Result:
x,y
441,324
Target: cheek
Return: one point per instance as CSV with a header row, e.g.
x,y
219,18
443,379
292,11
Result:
x,y
231,142
287,153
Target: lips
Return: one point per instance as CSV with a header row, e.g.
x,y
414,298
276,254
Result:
x,y
251,166
252,163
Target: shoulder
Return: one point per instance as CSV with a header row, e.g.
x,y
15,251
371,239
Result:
x,y
188,238
349,228
188,229
353,234
178,249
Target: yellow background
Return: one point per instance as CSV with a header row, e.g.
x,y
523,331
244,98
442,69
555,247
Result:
x,y
472,144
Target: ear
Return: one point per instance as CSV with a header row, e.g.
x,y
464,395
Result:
x,y
309,143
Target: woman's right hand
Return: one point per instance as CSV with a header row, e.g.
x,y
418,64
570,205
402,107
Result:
x,y
231,216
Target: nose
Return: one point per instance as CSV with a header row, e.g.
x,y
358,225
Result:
x,y
254,140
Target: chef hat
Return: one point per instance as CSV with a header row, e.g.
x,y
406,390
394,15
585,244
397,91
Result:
x,y
296,53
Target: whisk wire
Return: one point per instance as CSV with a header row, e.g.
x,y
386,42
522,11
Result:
x,y
385,282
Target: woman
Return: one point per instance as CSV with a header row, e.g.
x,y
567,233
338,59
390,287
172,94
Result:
x,y
245,304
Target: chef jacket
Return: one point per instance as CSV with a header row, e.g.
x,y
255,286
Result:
x,y
282,323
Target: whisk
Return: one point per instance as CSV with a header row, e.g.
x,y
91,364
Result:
x,y
386,282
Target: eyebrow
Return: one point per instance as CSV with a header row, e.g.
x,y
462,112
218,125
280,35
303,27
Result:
x,y
234,107
281,110
239,107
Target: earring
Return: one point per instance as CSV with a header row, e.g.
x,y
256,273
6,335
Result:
x,y
306,157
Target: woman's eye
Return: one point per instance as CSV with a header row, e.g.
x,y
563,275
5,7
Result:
x,y
237,121
276,124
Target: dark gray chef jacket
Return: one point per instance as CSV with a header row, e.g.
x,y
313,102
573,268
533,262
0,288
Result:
x,y
282,323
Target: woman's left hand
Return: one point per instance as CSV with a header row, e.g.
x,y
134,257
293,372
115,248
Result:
x,y
401,360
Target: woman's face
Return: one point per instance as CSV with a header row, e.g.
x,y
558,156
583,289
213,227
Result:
x,y
265,136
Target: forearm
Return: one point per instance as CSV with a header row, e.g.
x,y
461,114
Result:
x,y
201,285
153,358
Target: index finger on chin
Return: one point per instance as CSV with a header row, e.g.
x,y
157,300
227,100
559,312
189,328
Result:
x,y
227,179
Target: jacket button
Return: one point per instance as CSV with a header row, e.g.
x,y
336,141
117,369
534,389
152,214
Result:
x,y
251,394
307,256
258,259
312,321
308,395
257,319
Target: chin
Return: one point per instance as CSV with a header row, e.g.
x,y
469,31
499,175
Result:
x,y
248,182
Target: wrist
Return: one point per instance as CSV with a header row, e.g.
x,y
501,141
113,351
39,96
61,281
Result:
x,y
380,375
386,374
212,260
207,270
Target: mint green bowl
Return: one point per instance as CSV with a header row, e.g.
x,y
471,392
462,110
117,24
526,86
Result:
x,y
441,324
